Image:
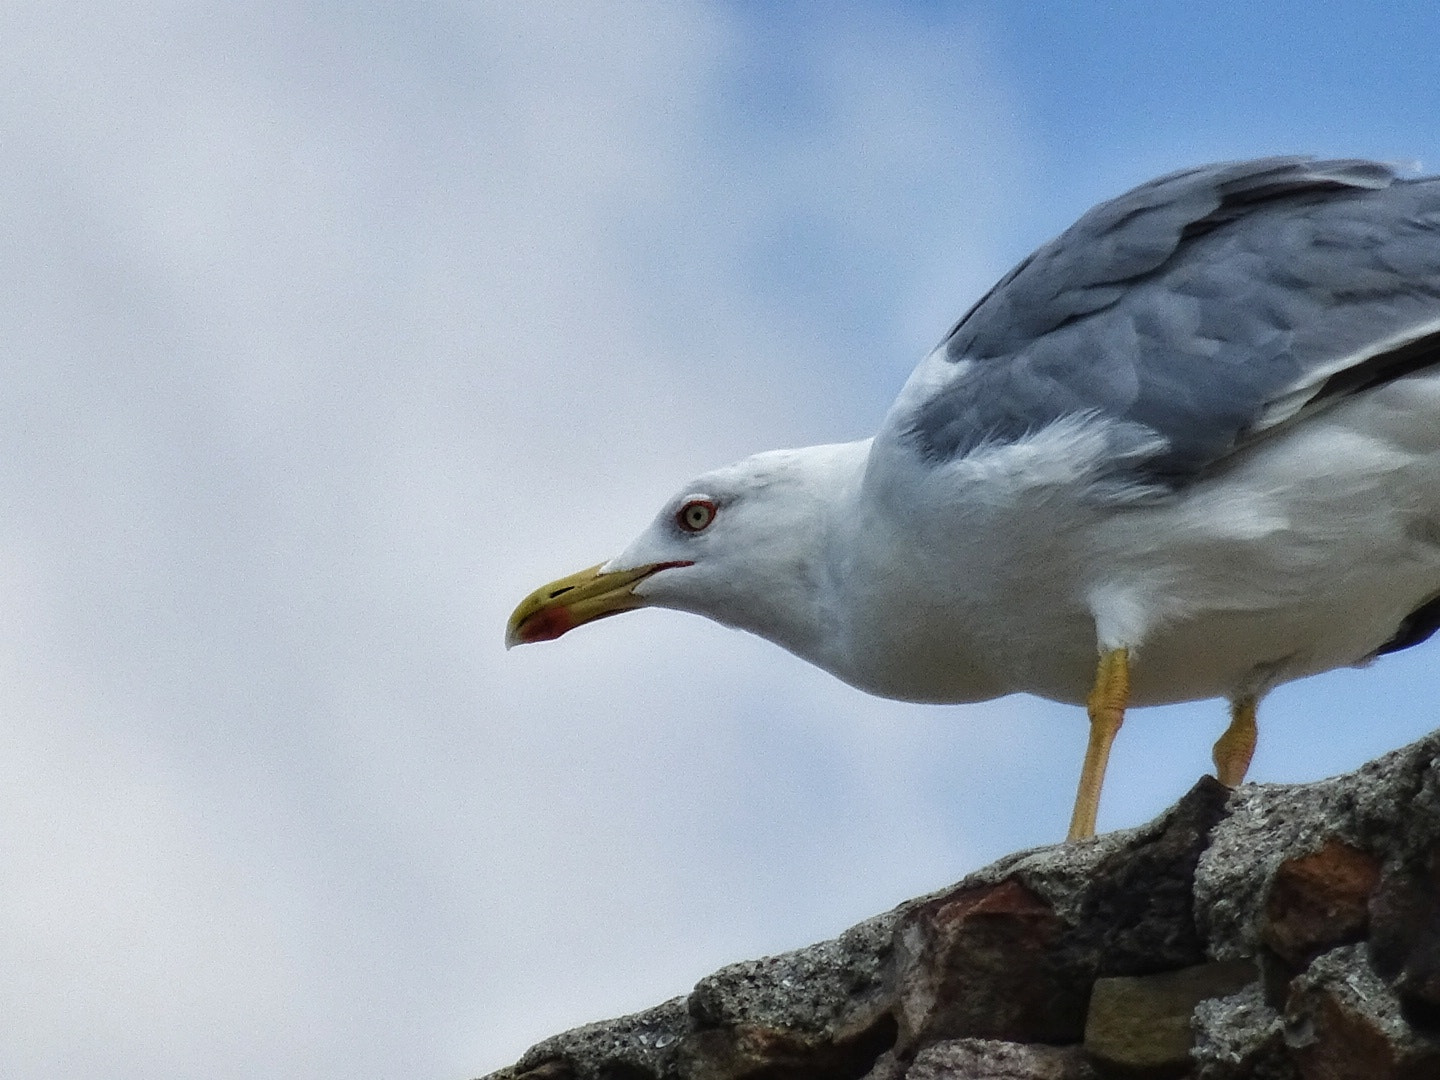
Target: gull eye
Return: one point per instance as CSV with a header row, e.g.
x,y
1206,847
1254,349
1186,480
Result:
x,y
695,516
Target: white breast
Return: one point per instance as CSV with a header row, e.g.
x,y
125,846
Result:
x,y
1302,553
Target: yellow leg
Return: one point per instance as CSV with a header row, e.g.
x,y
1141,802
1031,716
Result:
x,y
1236,746
1107,712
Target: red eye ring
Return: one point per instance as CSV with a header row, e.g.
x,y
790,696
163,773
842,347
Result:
x,y
696,515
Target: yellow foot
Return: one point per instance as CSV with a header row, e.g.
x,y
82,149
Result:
x,y
1234,749
1107,712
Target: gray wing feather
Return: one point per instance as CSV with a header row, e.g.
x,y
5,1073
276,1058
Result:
x,y
1192,313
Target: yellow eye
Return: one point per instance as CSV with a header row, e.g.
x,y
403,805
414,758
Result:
x,y
695,515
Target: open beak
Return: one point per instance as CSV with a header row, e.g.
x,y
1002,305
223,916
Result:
x,y
562,605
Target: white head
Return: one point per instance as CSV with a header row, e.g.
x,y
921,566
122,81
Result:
x,y
747,545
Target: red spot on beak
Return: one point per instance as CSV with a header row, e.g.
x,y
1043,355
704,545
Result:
x,y
546,625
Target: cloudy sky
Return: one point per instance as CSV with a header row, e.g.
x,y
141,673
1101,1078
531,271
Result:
x,y
329,331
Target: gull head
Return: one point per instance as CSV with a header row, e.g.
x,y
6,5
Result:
x,y
746,545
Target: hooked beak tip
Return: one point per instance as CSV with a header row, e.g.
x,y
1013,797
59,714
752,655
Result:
x,y
559,607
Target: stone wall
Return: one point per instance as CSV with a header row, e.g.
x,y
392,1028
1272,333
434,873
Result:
x,y
1277,933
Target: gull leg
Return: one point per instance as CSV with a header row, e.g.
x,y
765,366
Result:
x,y
1107,712
1236,746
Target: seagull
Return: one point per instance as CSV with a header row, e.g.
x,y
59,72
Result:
x,y
1188,449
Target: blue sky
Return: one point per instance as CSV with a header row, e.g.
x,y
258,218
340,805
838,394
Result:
x,y
331,332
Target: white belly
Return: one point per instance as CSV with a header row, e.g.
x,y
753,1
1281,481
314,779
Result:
x,y
1304,553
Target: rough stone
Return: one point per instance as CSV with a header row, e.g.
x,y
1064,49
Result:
x,y
1372,809
644,1044
822,988
1239,1037
772,1053
1138,913
1011,953
1405,943
820,1011
1331,889
1139,1025
988,1059
1126,898
1343,1023
1319,900
980,962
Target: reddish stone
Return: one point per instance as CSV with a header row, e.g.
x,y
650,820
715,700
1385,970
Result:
x,y
1009,900
749,1051
980,963
1318,901
1343,1023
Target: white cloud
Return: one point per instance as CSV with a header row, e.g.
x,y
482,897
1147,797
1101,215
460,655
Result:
x,y
328,337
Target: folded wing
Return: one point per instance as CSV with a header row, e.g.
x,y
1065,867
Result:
x,y
1190,316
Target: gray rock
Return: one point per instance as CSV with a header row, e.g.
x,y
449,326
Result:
x,y
988,1059
820,988
1370,810
1239,1037
642,1044
1332,889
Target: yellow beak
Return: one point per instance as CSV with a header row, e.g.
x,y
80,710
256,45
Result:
x,y
553,609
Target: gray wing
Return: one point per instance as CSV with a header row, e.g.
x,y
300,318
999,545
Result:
x,y
1192,314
